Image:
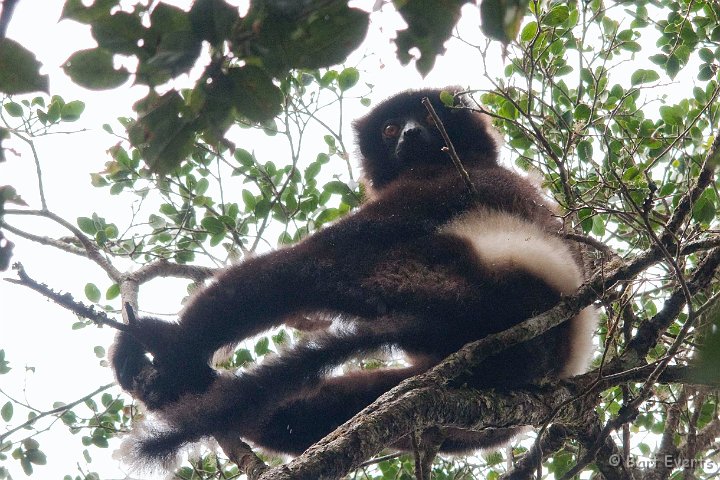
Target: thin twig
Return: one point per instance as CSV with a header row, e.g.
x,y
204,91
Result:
x,y
450,148
54,411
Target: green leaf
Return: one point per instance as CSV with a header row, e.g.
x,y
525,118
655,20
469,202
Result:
x,y
706,72
172,45
585,150
213,225
631,173
31,443
202,185
248,200
7,411
582,113
556,16
26,466
97,180
631,46
262,208
430,24
704,210
312,35
244,157
672,115
19,70
254,94
262,347
100,442
157,222
119,33
658,59
163,132
284,239
494,458
4,364
242,357
75,10
69,418
87,225
348,78
500,19
706,55
93,68
71,111
447,98
112,292
643,76
92,292
14,109
529,31
168,209
281,338
672,67
312,170
212,20
328,78
327,215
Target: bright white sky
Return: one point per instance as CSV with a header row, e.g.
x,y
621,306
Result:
x,y
36,334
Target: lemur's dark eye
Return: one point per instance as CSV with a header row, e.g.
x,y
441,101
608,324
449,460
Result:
x,y
391,130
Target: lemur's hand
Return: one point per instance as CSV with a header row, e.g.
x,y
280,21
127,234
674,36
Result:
x,y
174,370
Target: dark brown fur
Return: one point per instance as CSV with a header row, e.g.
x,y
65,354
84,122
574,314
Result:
x,y
386,270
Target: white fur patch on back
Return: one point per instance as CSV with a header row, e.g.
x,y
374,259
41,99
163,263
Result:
x,y
504,243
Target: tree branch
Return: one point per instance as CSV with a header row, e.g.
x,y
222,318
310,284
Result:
x,y
242,455
54,411
65,300
93,252
51,242
164,268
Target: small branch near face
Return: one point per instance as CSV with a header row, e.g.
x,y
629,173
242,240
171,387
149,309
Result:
x,y
65,300
449,148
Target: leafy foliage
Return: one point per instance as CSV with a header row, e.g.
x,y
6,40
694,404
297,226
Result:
x,y
20,72
247,55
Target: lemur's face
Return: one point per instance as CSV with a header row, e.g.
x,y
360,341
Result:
x,y
412,138
399,136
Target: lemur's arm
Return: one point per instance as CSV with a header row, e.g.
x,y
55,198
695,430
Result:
x,y
320,273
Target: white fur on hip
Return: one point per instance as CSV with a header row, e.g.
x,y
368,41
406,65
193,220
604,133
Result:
x,y
504,243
